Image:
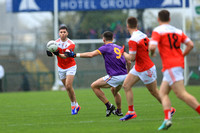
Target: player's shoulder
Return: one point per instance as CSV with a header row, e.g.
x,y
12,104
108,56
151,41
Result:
x,y
166,28
137,36
102,47
109,47
115,45
160,28
58,40
70,41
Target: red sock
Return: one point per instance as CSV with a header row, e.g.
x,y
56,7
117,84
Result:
x,y
130,108
198,109
167,113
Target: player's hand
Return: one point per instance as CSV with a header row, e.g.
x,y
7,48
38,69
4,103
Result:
x,y
70,54
152,54
56,52
122,50
49,53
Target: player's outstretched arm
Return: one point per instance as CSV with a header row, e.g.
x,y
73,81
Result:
x,y
62,56
81,55
88,54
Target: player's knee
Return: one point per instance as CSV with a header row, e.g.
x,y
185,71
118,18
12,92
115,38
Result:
x,y
161,94
68,86
125,86
180,95
93,85
154,92
151,91
113,91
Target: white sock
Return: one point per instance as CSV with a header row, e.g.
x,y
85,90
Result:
x,y
130,111
73,103
76,104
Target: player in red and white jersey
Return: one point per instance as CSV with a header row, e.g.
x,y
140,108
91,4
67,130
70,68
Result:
x,y
144,69
66,66
169,39
138,46
65,63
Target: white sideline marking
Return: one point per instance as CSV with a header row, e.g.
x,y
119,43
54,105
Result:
x,y
52,123
86,121
29,124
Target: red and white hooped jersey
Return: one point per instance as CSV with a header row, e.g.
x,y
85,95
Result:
x,y
169,39
138,44
62,47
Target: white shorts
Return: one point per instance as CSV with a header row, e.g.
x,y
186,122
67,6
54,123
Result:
x,y
147,76
64,72
173,74
114,81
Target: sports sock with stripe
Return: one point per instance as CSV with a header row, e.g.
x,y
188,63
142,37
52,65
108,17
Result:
x,y
131,109
167,113
108,105
198,109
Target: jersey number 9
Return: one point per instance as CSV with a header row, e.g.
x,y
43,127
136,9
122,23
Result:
x,y
117,51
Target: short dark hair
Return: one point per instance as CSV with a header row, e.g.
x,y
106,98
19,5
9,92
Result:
x,y
108,35
132,22
62,26
164,15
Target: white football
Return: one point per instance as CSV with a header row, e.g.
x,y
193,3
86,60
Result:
x,y
52,46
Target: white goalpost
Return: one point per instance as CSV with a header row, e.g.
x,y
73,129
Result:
x,y
186,69
56,83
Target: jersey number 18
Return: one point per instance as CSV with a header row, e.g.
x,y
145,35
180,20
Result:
x,y
173,38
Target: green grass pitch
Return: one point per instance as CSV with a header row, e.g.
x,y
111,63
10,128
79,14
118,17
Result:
x,y
50,112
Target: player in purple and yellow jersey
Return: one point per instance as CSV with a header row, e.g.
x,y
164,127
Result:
x,y
116,68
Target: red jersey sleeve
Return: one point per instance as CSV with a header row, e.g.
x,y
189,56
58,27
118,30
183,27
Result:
x,y
184,38
71,47
155,38
132,47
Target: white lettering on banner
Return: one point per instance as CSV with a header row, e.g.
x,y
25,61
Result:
x,y
86,4
78,4
93,6
73,4
136,2
112,3
104,4
119,3
63,5
128,3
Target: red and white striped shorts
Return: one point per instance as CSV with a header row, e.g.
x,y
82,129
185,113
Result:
x,y
173,74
